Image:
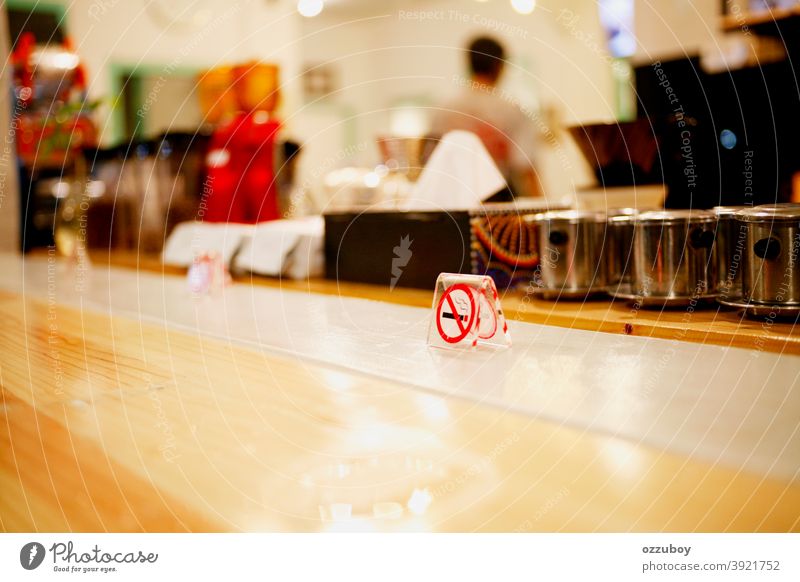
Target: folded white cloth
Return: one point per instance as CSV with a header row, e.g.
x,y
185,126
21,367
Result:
x,y
189,239
289,248
459,175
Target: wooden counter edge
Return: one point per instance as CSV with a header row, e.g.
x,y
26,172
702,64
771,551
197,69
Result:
x,y
713,326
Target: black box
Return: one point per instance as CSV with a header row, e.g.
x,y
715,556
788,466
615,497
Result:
x,y
404,249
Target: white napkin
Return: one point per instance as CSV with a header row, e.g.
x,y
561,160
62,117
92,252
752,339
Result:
x,y
459,175
190,238
291,248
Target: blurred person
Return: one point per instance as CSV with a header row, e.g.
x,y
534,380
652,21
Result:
x,y
483,108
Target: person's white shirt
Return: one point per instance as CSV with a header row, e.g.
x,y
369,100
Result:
x,y
490,113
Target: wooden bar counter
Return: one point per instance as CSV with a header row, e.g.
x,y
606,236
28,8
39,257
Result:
x,y
116,424
711,324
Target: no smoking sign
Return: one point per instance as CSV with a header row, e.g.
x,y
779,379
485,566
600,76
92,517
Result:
x,y
456,313
466,313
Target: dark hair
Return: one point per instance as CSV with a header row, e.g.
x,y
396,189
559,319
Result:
x,y
486,56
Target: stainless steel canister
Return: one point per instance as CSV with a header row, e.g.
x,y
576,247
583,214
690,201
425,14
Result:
x,y
572,261
729,250
771,273
673,251
619,248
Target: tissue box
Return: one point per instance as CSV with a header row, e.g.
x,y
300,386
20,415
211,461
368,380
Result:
x,y
396,249
411,249
505,245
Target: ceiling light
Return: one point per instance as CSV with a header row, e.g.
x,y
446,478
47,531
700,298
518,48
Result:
x,y
309,8
523,6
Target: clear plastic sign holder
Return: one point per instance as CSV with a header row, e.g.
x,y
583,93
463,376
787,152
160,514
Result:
x,y
207,274
467,313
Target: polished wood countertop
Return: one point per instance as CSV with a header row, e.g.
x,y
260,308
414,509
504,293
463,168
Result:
x,y
114,424
710,324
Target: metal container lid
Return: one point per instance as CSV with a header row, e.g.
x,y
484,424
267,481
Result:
x,y
726,211
770,213
621,215
676,216
574,216
611,212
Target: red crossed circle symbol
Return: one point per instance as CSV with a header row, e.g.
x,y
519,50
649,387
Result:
x,y
447,298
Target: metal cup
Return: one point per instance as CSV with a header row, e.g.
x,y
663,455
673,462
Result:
x,y
673,252
729,250
572,261
771,273
620,246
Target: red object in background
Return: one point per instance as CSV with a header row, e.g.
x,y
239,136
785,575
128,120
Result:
x,y
239,171
23,75
44,142
80,71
